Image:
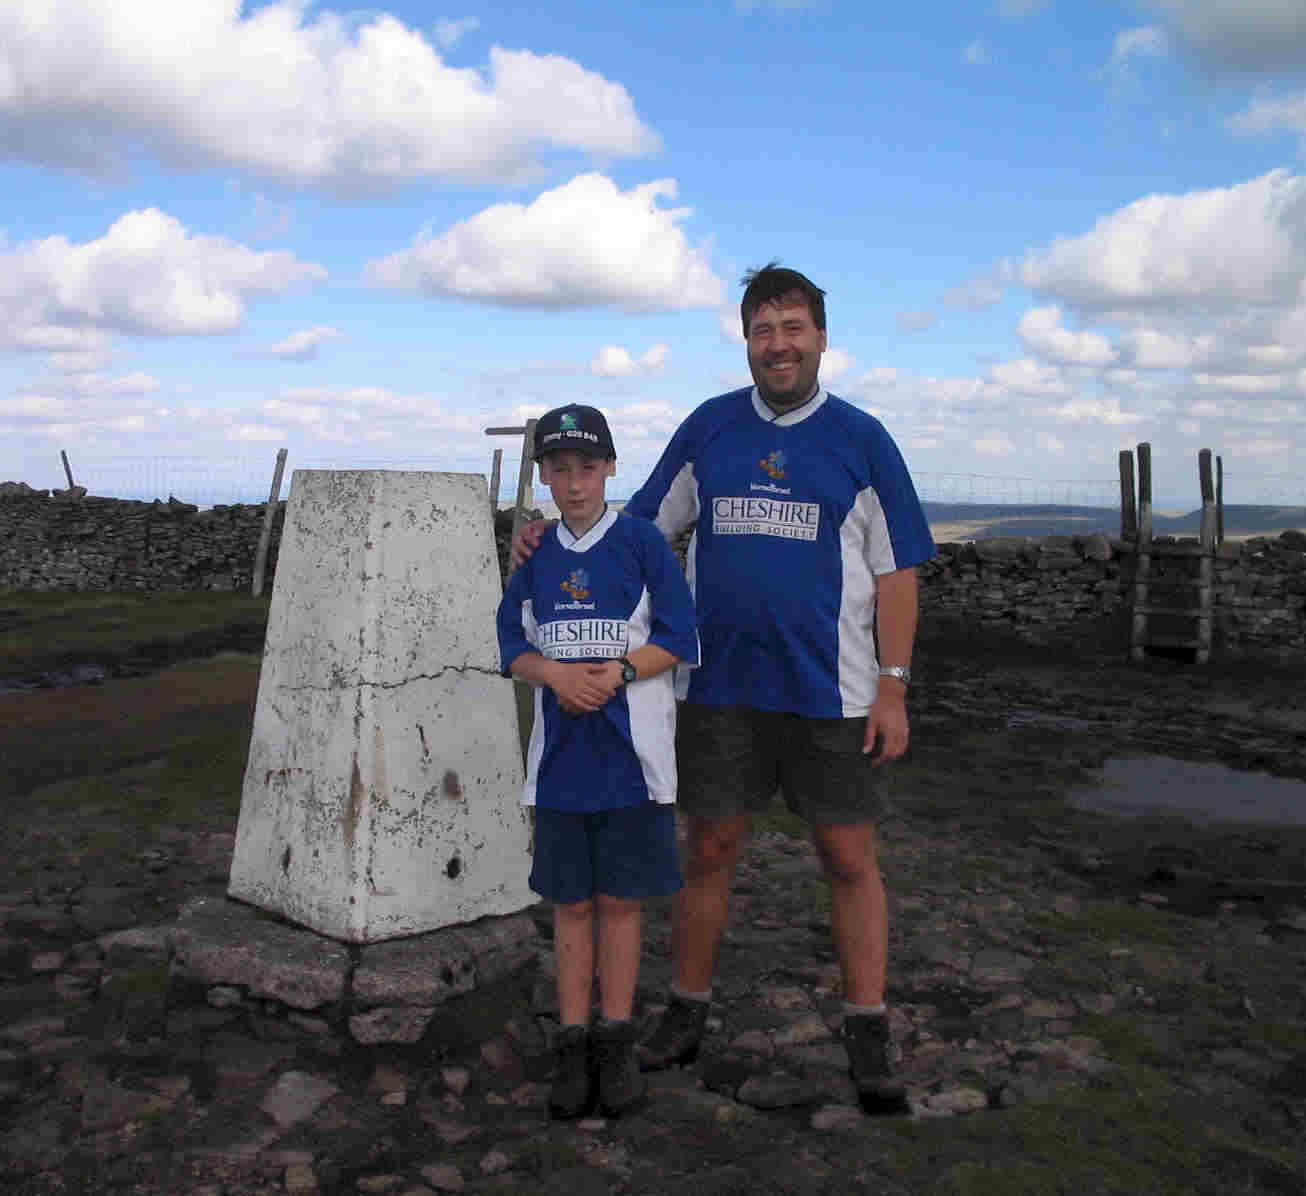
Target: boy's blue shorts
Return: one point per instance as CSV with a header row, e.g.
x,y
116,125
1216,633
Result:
x,y
629,852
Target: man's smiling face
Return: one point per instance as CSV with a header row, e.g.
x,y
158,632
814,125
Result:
x,y
784,351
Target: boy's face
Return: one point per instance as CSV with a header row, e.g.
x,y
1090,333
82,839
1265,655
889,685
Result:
x,y
577,482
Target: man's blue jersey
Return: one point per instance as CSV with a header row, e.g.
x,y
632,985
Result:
x,y
794,517
616,588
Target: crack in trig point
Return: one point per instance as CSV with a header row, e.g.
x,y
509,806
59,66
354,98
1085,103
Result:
x,y
453,668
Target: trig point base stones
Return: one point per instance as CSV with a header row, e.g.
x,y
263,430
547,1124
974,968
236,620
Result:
x,y
381,795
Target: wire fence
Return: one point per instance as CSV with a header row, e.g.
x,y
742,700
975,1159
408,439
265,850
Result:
x,y
208,481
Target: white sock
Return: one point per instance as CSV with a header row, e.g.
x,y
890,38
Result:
x,y
856,1010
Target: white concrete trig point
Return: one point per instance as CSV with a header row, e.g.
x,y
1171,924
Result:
x,y
382,792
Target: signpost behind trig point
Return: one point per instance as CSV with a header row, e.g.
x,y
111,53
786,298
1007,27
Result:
x,y
527,433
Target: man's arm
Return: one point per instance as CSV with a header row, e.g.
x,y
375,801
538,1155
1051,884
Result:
x,y
897,611
528,539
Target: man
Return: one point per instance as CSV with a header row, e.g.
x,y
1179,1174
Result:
x,y
807,536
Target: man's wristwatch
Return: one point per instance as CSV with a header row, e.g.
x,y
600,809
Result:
x,y
896,670
628,671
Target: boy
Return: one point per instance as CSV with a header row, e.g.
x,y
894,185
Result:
x,y
596,619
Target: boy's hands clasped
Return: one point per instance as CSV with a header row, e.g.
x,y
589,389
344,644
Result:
x,y
583,687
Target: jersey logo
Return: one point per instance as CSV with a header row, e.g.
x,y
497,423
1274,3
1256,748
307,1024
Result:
x,y
774,466
577,585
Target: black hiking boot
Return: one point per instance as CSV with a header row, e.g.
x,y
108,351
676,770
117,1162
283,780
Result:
x,y
871,1054
676,1037
621,1086
572,1093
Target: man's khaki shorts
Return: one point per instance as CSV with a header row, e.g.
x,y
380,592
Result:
x,y
732,759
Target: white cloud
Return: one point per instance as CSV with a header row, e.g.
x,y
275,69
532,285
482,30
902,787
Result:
x,y
1242,384
994,445
1145,42
1268,115
1239,36
975,54
613,361
146,275
980,293
1027,376
450,32
584,244
1238,245
1040,328
1095,411
835,364
732,327
1150,349
916,321
303,346
347,104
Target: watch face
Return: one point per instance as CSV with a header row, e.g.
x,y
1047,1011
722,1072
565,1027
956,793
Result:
x,y
628,672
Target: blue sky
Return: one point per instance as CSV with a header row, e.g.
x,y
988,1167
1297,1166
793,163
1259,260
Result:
x,y
1048,231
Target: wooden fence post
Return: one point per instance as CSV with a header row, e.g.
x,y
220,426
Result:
x,y
265,536
496,468
524,475
1128,509
1145,492
1219,500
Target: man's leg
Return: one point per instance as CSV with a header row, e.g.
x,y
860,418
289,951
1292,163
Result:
x,y
859,911
859,920
698,924
703,905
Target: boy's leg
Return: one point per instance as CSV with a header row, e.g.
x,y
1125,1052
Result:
x,y
620,924
621,1087
635,858
573,944
561,873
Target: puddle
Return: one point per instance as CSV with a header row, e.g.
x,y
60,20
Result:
x,y
1053,722
1151,785
82,674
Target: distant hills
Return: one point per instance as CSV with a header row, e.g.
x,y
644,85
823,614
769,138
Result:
x,y
985,521
979,521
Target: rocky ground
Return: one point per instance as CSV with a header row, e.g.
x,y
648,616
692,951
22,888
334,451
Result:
x,y
1067,990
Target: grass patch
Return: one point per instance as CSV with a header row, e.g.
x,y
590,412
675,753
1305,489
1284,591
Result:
x,y
1115,922
49,632
191,721
1132,1132
780,820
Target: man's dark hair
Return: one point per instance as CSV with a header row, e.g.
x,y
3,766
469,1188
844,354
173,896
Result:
x,y
774,281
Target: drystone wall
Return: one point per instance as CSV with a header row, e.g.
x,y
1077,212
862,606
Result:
x,y
69,541
1054,590
1063,589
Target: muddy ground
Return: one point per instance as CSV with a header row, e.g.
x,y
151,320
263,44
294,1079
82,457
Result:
x,y
1160,963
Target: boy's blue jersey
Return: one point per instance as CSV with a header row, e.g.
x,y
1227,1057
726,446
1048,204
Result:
x,y
596,598
794,517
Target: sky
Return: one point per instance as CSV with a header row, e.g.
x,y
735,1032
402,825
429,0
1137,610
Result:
x,y
1049,230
